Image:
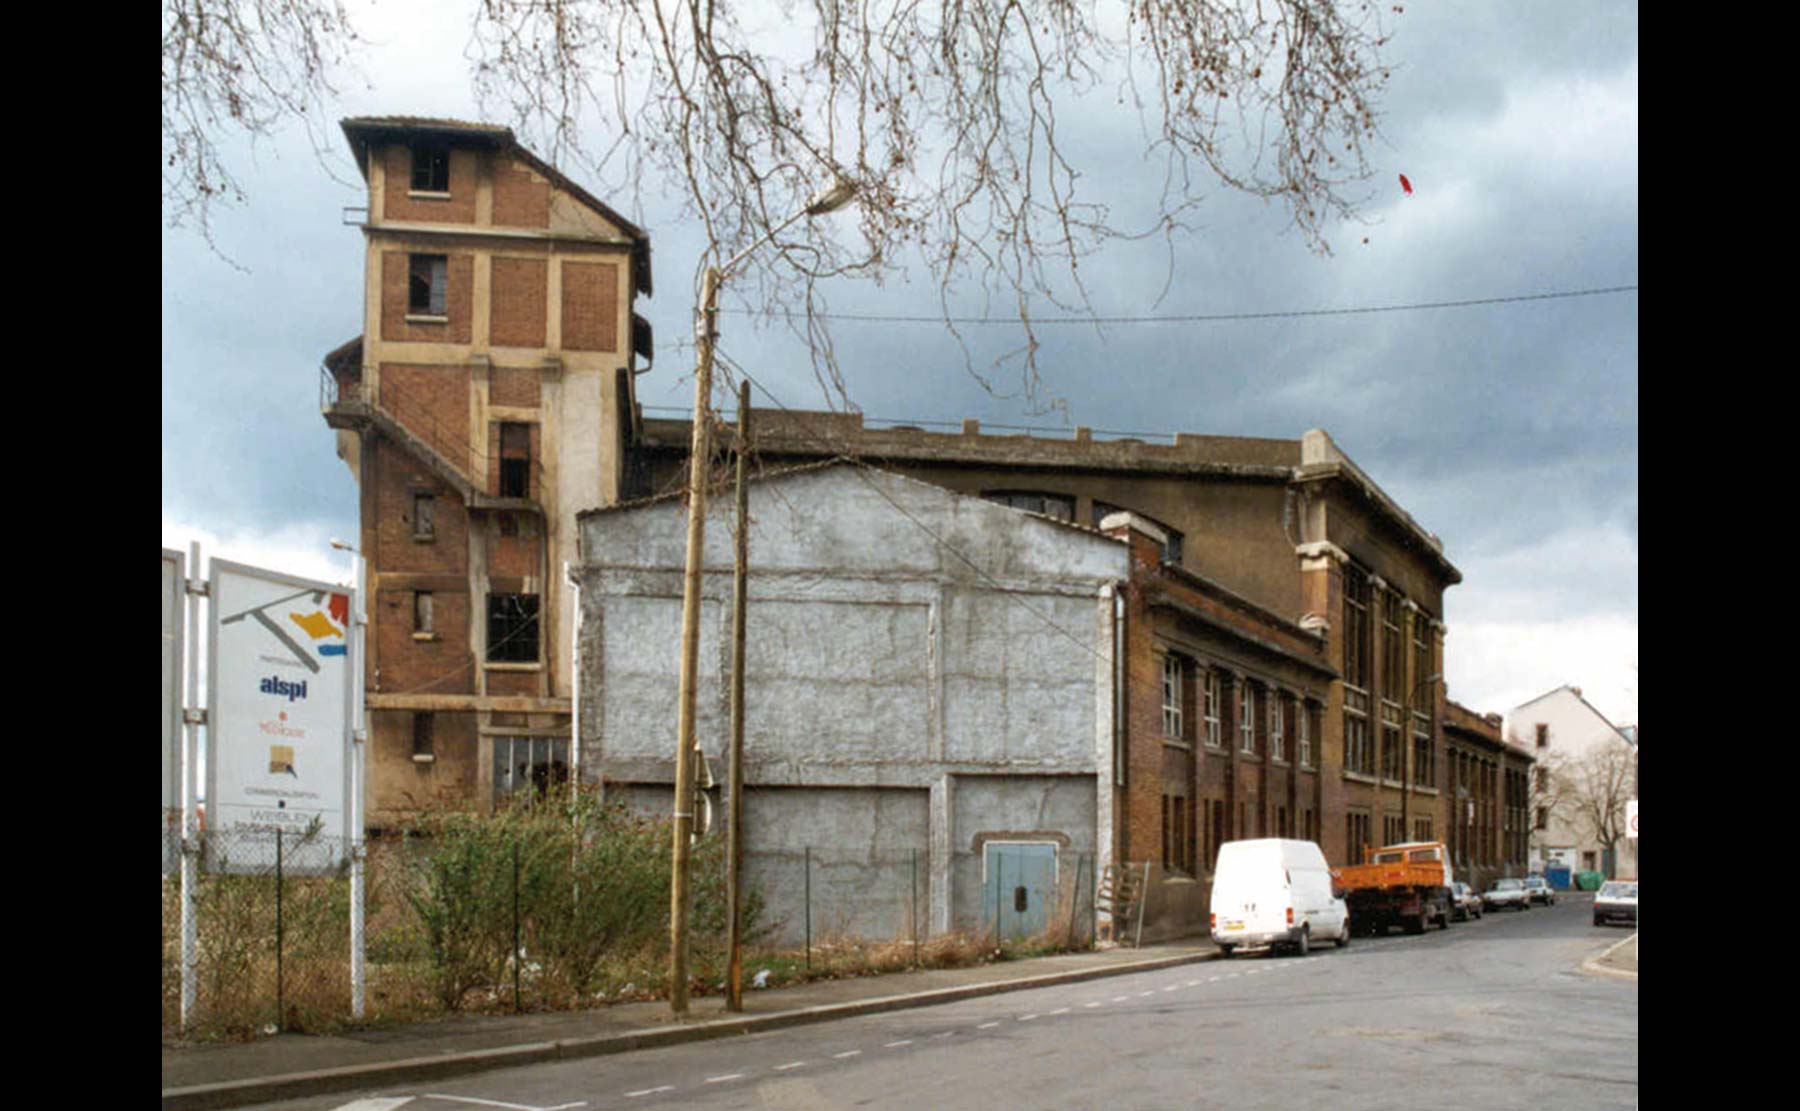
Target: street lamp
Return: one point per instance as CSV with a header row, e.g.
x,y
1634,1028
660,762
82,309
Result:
x,y
829,199
1407,786
358,735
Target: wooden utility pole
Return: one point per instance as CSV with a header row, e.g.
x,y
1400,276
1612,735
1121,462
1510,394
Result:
x,y
734,830
699,455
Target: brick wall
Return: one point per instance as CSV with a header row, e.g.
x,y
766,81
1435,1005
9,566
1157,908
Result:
x,y
398,787
397,478
458,208
515,386
409,666
590,306
521,196
433,403
519,293
458,303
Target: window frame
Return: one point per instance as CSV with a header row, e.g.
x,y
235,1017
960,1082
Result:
x,y
533,621
1012,498
1277,731
424,515
1246,718
1213,698
436,278
1172,675
424,615
436,158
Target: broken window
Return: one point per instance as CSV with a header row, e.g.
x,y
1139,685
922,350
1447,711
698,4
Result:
x,y
422,735
515,460
431,169
512,628
1059,506
424,520
428,285
423,621
529,766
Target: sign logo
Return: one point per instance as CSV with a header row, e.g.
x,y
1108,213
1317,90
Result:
x,y
323,631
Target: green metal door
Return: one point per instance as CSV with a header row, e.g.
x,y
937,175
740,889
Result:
x,y
1019,888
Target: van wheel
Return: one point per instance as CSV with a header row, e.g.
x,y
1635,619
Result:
x,y
1343,937
1224,952
1304,945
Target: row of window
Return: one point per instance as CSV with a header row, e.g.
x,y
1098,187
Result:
x,y
532,764
1183,831
1366,751
1062,508
512,625
1264,714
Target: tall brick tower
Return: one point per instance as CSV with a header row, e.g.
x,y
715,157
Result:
x,y
487,401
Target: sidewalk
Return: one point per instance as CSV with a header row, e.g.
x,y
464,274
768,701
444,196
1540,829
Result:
x,y
291,1065
1620,960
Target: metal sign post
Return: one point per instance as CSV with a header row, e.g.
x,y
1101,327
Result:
x,y
191,717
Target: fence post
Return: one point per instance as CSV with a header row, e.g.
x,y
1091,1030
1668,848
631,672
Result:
x,y
999,890
913,906
809,908
280,1010
1075,899
515,960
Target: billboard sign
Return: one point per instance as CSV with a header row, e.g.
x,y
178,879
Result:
x,y
279,712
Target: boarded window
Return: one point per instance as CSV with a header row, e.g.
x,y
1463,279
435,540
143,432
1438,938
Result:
x,y
530,766
424,521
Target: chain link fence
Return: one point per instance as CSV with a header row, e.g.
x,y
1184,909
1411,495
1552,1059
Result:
x,y
538,907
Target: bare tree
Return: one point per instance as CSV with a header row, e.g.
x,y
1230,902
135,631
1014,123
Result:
x,y
987,137
984,136
1589,790
244,67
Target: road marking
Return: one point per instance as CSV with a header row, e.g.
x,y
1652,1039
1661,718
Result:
x,y
789,1065
846,1053
1142,994
1026,1018
1172,987
1060,1011
381,1103
509,1106
1193,983
902,1041
723,1079
1214,980
1095,1003
949,1034
1120,998
649,1091
987,1026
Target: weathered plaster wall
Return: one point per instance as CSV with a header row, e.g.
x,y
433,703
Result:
x,y
898,699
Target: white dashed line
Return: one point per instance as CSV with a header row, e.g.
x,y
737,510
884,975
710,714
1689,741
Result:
x,y
649,1091
1193,983
987,1026
1060,1011
1171,987
901,1042
498,1103
1120,998
723,1079
949,1034
1214,980
1026,1018
1144,994
789,1065
1095,1003
846,1053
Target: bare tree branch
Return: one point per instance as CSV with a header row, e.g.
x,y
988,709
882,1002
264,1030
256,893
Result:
x,y
240,66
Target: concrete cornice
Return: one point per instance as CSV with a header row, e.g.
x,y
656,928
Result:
x,y
1321,549
489,231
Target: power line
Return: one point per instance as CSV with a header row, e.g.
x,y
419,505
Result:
x,y
1202,318
922,422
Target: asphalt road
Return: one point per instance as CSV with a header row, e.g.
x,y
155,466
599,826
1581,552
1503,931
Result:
x,y
1492,1013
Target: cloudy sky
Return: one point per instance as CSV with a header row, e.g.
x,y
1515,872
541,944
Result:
x,y
1509,430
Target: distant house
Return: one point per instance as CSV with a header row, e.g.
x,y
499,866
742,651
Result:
x,y
929,694
1571,741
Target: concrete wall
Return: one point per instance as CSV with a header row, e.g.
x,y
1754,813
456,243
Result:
x,y
898,700
1575,730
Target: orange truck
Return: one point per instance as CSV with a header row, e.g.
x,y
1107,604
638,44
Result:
x,y
1406,885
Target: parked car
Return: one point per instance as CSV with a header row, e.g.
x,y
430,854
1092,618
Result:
x,y
1275,892
1616,901
1506,893
1464,902
1539,890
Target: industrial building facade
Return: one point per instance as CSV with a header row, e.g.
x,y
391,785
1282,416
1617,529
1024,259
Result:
x,y
498,348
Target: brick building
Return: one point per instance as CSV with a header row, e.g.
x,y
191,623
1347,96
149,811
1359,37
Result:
x,y
1489,798
1280,597
479,411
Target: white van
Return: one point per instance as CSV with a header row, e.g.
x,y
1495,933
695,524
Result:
x,y
1275,892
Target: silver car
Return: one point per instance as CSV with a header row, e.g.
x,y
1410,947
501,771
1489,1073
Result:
x,y
1539,890
1464,902
1506,893
1616,902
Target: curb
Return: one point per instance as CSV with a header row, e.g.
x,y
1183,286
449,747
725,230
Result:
x,y
1592,964
235,1093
